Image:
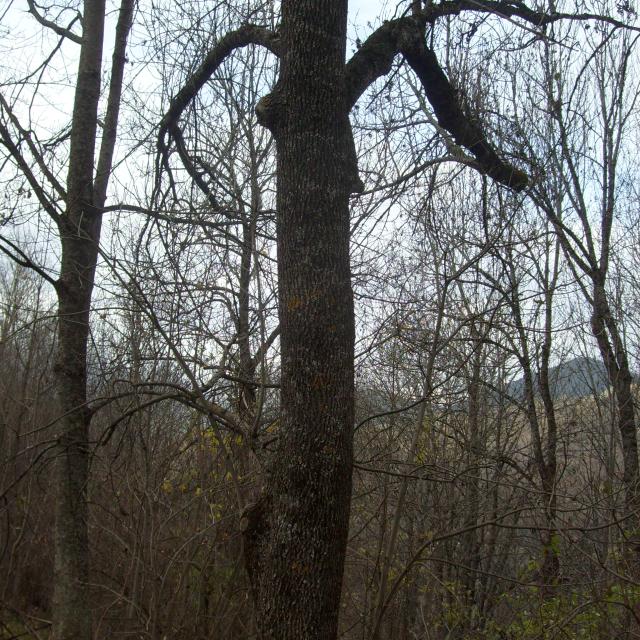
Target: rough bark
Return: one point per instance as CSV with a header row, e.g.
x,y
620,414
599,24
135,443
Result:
x,y
79,238
79,230
299,541
296,533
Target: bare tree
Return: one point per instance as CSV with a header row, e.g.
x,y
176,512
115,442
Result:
x,y
296,533
582,192
76,211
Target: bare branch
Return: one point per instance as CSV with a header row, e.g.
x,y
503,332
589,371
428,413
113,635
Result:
x,y
374,57
61,31
47,204
107,145
517,9
20,257
406,36
35,152
465,130
242,37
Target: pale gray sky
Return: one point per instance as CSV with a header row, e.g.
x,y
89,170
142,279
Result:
x,y
363,11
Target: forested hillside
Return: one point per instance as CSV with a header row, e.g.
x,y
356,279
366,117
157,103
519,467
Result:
x,y
319,320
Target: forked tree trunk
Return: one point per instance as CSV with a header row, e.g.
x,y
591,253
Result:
x,y
79,239
296,536
79,233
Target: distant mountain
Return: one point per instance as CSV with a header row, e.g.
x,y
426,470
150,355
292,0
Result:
x,y
575,378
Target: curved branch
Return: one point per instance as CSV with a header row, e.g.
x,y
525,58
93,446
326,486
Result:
x,y
56,28
374,57
407,36
242,37
516,9
445,101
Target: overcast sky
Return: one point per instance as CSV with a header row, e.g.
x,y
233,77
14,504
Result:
x,y
363,11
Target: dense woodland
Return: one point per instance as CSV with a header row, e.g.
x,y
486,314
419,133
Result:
x,y
294,348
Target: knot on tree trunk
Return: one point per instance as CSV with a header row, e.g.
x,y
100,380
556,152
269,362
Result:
x,y
270,110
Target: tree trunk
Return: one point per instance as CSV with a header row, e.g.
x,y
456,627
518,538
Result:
x,y
471,543
296,536
79,239
79,233
550,570
614,355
